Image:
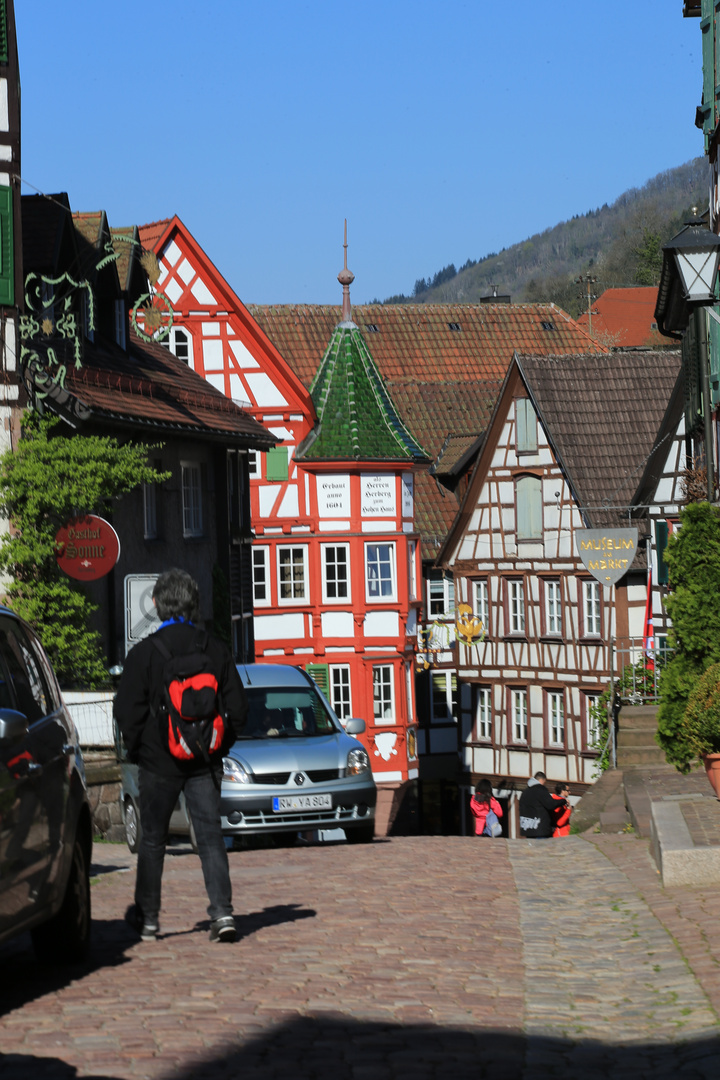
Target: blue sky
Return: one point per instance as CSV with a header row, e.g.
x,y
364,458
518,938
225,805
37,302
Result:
x,y
442,131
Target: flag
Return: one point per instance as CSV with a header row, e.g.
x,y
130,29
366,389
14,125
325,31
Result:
x,y
648,628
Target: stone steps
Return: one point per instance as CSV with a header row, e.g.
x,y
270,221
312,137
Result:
x,y
636,746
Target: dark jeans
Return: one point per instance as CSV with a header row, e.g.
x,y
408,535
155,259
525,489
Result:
x,y
158,796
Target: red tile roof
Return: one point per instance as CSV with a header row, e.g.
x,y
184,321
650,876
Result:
x,y
625,318
151,233
148,387
416,340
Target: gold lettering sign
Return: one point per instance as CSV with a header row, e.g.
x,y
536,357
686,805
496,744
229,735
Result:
x,y
607,553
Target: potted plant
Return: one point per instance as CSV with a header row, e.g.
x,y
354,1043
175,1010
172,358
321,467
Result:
x,y
701,724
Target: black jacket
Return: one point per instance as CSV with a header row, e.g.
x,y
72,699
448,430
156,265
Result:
x,y
537,810
141,688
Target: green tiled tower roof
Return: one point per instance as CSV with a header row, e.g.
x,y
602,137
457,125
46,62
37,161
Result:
x,y
357,420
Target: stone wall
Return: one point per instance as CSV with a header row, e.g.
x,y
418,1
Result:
x,y
103,779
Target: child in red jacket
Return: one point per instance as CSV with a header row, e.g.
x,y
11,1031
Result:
x,y
483,801
563,812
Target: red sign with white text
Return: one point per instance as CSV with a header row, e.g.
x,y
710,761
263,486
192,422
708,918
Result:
x,y
87,548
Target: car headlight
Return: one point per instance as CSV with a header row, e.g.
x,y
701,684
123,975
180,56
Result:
x,y
357,762
234,772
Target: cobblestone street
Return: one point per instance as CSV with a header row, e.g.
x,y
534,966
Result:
x,y
412,958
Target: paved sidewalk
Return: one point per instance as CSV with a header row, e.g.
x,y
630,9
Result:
x,y
412,958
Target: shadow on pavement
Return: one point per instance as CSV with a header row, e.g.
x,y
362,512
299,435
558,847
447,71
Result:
x,y
24,978
254,921
338,1048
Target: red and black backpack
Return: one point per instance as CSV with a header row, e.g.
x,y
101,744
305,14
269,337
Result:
x,y
192,720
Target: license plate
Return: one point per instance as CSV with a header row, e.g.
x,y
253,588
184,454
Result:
x,y
284,803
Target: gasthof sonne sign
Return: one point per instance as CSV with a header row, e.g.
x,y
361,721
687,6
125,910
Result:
x,y
607,553
87,548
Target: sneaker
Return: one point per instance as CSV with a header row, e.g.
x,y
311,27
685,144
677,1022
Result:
x,y
223,929
148,931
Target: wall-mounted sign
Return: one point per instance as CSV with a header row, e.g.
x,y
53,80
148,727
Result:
x,y
607,553
377,495
333,495
141,618
87,548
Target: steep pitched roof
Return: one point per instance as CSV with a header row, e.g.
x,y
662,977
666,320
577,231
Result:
x,y
602,414
625,318
151,233
357,418
418,340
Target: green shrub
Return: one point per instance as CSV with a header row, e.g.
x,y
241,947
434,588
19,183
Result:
x,y
701,721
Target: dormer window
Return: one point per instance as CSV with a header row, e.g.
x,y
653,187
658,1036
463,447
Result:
x,y
455,327
120,324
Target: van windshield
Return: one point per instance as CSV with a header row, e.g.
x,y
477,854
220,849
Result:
x,y
277,712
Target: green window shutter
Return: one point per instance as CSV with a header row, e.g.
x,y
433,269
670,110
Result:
x,y
661,539
276,463
3,33
7,261
320,673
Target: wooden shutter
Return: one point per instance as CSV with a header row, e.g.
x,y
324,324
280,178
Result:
x,y
320,673
276,463
7,261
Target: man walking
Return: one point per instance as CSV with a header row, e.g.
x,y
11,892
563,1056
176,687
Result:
x,y
537,809
141,714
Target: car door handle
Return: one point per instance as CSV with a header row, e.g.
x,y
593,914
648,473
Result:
x,y
68,749
34,767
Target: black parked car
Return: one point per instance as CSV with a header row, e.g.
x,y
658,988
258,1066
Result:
x,y
45,821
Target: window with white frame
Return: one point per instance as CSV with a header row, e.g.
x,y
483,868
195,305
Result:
x,y
192,498
556,718
482,603
336,572
441,594
516,606
261,575
529,508
412,570
380,571
177,342
443,697
592,723
384,694
292,574
483,713
526,426
592,623
340,691
518,716
553,608
150,511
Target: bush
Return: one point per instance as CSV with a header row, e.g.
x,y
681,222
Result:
x,y
701,721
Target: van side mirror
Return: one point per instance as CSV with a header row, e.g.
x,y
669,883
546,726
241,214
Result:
x,y
13,726
355,726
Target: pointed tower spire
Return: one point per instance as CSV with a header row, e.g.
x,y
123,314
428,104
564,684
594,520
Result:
x,y
346,278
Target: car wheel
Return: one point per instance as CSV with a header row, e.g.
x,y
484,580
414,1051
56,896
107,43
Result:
x,y
65,939
363,834
133,828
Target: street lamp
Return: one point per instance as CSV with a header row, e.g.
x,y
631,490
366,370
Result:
x,y
687,285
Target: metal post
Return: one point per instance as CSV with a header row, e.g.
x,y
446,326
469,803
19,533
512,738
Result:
x,y
701,331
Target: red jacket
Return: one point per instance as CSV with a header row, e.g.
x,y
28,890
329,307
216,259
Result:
x,y
480,810
562,820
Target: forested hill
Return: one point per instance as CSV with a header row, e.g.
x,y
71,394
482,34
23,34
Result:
x,y
618,244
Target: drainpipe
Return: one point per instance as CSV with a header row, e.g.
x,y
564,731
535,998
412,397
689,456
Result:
x,y
701,330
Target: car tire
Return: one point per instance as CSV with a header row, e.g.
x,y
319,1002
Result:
x,y
65,939
363,834
133,827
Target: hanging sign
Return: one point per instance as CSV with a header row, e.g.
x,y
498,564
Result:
x,y
607,553
87,548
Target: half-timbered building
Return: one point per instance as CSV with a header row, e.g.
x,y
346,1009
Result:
x,y
568,441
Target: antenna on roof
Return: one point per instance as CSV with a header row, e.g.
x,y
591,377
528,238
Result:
x,y
346,278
